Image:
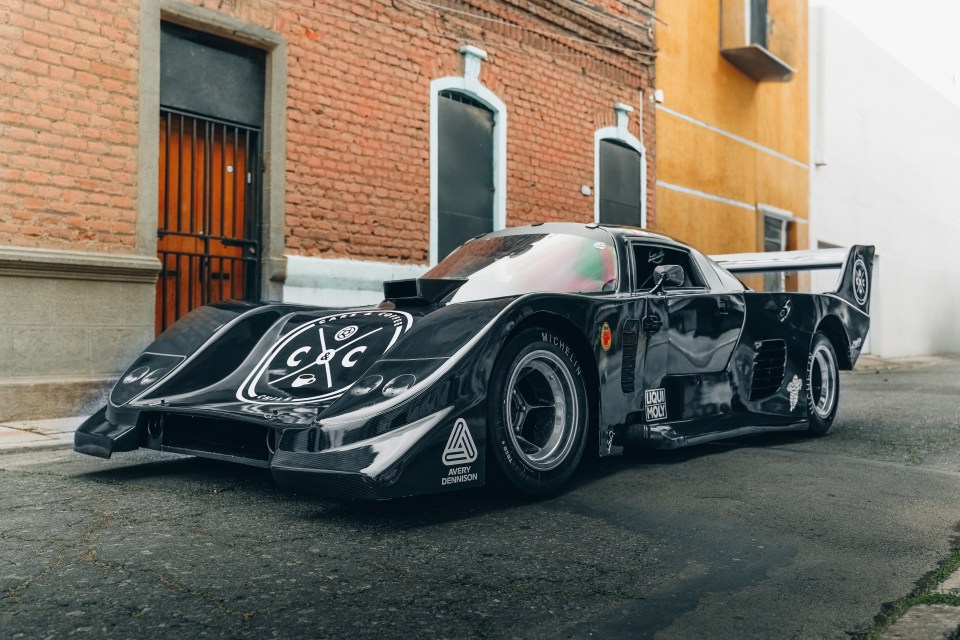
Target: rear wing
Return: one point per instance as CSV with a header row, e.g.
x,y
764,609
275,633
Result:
x,y
856,264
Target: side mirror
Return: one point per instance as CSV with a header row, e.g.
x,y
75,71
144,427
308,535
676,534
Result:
x,y
667,275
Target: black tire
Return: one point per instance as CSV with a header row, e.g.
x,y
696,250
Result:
x,y
823,385
537,416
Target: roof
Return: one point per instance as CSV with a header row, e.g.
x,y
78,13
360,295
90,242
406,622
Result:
x,y
589,230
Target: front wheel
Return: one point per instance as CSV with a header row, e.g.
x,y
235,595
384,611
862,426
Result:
x,y
823,385
537,412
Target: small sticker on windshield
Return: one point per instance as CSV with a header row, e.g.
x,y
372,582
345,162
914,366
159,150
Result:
x,y
600,245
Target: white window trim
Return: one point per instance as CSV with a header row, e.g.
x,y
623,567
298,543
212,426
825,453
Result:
x,y
771,211
473,88
621,133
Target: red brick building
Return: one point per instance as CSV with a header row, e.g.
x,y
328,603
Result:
x,y
159,154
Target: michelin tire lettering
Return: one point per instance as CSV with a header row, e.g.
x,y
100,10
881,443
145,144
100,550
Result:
x,y
557,342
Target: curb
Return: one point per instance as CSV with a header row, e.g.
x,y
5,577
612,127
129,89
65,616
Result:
x,y
31,435
873,364
940,621
925,622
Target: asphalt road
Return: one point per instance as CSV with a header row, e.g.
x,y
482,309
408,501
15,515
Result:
x,y
774,536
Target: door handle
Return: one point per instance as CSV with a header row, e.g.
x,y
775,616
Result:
x,y
722,306
652,324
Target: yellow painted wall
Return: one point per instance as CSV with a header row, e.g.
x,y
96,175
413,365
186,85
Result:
x,y
700,85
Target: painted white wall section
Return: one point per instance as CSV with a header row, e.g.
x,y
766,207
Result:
x,y
886,153
341,283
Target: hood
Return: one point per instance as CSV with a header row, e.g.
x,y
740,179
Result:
x,y
272,355
293,364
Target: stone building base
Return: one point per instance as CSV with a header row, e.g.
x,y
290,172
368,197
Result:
x,y
69,324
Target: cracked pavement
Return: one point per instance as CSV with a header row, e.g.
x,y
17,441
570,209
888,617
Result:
x,y
773,536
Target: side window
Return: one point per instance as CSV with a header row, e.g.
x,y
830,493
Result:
x,y
648,257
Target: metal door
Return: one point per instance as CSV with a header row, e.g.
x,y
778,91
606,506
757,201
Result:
x,y
621,184
211,121
465,187
208,214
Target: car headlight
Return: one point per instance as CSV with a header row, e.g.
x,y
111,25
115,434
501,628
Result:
x,y
399,384
135,375
367,385
153,376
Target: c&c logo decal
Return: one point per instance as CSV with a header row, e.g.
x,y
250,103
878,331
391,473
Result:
x,y
319,360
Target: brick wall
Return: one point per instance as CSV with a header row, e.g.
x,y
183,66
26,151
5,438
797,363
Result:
x,y
358,132
68,118
357,123
357,157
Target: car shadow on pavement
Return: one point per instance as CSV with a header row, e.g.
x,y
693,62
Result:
x,y
639,458
203,475
184,469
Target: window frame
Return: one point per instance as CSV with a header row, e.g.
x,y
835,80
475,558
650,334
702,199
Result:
x,y
777,278
472,88
621,134
694,268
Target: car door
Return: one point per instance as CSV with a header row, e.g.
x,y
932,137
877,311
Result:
x,y
689,333
648,329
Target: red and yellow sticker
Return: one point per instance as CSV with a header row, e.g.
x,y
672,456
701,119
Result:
x,y
606,337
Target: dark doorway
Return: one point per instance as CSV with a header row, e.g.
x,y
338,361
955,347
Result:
x,y
621,184
465,181
758,22
211,122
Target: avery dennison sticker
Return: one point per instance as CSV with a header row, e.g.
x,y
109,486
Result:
x,y
458,454
460,447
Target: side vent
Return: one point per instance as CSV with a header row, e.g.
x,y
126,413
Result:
x,y
631,334
768,367
421,290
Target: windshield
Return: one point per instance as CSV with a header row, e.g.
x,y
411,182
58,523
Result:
x,y
515,264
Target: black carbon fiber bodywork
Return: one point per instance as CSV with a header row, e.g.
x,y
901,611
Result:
x,y
389,401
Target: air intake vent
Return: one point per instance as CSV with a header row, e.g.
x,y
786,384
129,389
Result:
x,y
768,366
222,439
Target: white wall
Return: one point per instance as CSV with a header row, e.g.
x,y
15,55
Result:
x,y
886,154
341,283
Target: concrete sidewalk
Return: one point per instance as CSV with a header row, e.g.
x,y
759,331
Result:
x,y
38,434
868,363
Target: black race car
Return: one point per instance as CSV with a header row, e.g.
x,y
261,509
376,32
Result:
x,y
509,358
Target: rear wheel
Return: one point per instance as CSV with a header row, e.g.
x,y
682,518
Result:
x,y
823,385
537,412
